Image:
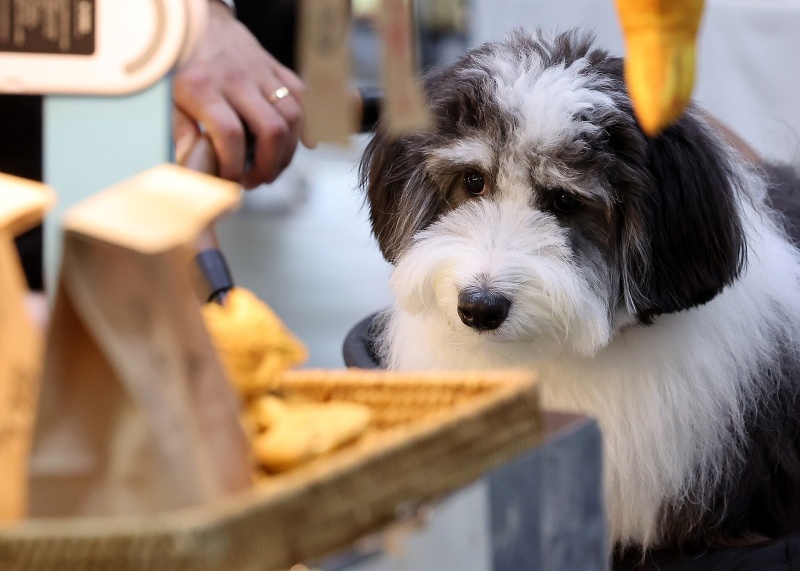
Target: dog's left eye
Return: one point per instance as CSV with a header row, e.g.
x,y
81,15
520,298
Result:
x,y
566,202
474,183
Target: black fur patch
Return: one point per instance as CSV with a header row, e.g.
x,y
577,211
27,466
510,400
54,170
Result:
x,y
759,501
682,235
784,195
761,498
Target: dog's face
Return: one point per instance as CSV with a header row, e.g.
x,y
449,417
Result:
x,y
537,211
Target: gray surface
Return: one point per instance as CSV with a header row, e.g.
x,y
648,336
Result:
x,y
453,536
546,507
541,512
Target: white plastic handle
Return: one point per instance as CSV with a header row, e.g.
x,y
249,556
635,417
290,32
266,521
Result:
x,y
136,43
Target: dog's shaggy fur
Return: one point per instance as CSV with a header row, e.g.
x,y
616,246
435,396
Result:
x,y
649,280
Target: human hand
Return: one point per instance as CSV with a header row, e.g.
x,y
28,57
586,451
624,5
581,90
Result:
x,y
228,86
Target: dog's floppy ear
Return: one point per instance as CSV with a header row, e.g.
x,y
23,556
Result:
x,y
682,234
379,176
401,197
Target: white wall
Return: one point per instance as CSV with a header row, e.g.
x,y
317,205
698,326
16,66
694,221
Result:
x,y
748,70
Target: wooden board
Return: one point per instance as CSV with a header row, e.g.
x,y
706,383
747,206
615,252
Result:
x,y
136,414
434,433
23,203
157,210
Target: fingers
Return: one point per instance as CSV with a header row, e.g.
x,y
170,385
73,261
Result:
x,y
238,105
225,86
197,94
287,78
297,89
275,124
270,131
290,110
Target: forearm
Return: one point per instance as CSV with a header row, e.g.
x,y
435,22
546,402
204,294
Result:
x,y
229,3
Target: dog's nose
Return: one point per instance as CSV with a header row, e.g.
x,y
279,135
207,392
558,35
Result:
x,y
481,309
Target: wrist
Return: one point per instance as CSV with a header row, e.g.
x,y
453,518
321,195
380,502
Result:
x,y
229,3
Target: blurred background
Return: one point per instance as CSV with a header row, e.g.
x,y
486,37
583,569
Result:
x,y
303,243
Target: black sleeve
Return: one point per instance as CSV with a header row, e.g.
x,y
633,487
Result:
x,y
274,23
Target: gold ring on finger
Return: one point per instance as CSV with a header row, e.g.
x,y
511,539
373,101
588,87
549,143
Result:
x,y
278,94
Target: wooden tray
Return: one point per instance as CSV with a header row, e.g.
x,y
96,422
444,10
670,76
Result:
x,y
432,433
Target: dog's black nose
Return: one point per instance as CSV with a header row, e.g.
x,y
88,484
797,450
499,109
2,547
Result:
x,y
481,309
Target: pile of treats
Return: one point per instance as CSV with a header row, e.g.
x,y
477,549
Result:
x,y
255,347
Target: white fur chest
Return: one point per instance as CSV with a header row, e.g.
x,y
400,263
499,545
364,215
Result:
x,y
669,397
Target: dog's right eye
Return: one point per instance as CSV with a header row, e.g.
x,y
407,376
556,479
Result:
x,y
474,183
566,202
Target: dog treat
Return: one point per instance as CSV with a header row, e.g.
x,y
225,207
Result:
x,y
297,433
255,347
263,411
660,39
252,342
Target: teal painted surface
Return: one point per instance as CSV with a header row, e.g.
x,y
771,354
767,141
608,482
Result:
x,y
90,143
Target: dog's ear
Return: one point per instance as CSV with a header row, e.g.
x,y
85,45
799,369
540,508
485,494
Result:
x,y
682,234
379,177
399,193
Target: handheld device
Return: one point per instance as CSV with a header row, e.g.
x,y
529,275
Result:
x,y
94,47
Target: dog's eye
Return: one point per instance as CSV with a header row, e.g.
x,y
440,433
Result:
x,y
566,202
473,183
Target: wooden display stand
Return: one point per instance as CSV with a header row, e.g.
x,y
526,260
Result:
x,y
432,433
22,205
135,415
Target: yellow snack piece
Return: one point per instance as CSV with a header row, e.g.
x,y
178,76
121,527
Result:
x,y
300,432
660,39
252,342
264,410
255,347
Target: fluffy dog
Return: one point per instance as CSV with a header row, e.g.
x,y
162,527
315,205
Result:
x,y
651,281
